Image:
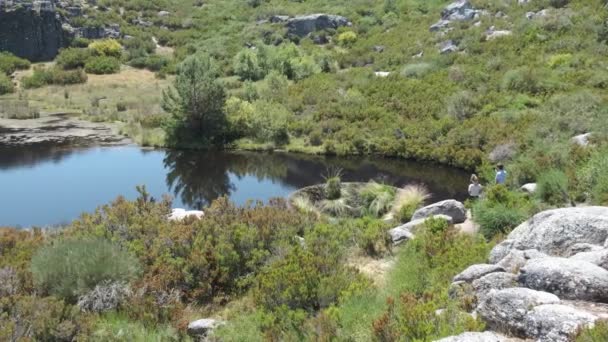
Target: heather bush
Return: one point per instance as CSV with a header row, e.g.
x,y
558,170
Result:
x,y
102,65
70,268
553,187
6,85
10,63
73,58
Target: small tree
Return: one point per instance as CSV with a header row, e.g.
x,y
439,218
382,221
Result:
x,y
246,65
196,101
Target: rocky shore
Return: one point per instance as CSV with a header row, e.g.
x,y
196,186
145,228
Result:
x,y
59,129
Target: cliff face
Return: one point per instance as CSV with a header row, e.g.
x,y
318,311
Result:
x,y
31,34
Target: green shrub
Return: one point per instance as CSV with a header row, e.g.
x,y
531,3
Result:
x,y
497,219
553,187
246,65
70,268
462,105
102,65
372,236
417,70
73,58
347,38
53,76
10,63
152,62
405,212
333,188
597,333
107,47
6,85
560,60
377,198
593,179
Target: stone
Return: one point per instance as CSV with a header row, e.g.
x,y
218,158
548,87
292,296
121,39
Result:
x,y
477,271
451,208
583,247
31,34
596,257
179,214
581,140
567,278
556,323
379,48
448,47
505,310
486,336
516,259
459,10
301,26
203,327
276,19
162,14
493,281
399,235
492,33
554,232
529,188
440,25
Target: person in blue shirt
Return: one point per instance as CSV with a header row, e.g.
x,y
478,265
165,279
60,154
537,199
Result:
x,y
501,174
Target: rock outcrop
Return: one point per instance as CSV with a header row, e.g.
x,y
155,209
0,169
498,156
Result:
x,y
36,34
301,26
459,10
202,328
451,208
547,280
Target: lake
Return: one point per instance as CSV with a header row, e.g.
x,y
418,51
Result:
x,y
51,185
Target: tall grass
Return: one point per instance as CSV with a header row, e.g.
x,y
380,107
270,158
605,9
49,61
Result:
x,y
377,198
113,327
407,200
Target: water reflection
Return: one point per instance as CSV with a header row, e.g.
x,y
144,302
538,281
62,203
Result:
x,y
44,185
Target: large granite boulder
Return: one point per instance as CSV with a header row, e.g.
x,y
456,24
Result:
x,y
567,278
301,26
554,232
493,281
459,10
486,336
33,34
451,208
596,257
556,323
505,310
477,271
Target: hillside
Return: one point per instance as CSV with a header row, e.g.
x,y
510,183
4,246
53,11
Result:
x,y
476,84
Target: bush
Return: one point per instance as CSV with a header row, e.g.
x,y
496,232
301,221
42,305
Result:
x,y
333,188
497,219
462,105
10,63
152,62
377,198
417,70
372,236
102,65
53,76
107,48
347,38
246,65
593,179
553,187
71,268
6,85
73,58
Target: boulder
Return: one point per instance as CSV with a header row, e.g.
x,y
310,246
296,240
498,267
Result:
x,y
596,257
567,278
179,214
451,208
477,271
459,10
440,25
517,259
486,336
581,140
493,281
382,74
276,19
163,13
378,48
505,310
556,323
301,26
413,225
399,235
583,247
554,232
448,46
203,327
529,188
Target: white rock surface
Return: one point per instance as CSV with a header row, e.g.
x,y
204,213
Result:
x,y
477,271
179,214
451,208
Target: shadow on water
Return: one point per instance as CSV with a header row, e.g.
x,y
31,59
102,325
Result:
x,y
44,185
197,178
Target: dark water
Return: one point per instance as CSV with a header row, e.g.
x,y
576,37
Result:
x,y
45,185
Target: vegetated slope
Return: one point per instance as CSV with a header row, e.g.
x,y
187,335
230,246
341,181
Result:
x,y
525,91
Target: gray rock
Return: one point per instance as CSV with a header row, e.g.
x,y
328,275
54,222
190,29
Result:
x,y
440,25
492,33
382,74
477,271
582,139
529,188
516,259
596,257
486,336
448,46
505,310
493,281
379,48
451,208
554,232
583,247
413,225
567,278
163,13
276,19
459,10
556,323
203,327
301,26
399,235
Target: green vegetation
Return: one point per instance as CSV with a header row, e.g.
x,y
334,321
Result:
x,y
9,63
6,85
408,200
53,76
70,268
501,211
101,65
598,333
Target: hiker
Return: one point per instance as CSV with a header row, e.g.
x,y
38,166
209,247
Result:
x,y
475,188
501,174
